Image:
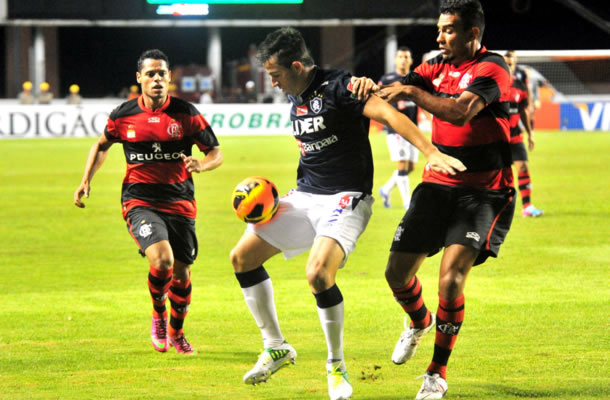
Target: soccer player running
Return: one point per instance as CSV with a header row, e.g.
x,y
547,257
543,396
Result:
x,y
330,207
466,89
158,132
401,151
519,103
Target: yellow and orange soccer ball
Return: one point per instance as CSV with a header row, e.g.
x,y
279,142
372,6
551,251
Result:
x,y
255,200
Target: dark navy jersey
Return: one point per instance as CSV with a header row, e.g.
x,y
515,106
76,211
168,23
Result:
x,y
406,107
333,136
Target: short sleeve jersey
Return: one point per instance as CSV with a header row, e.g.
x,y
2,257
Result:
x,y
153,141
406,107
518,102
482,144
332,135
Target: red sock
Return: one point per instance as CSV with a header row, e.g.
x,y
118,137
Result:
x,y
158,286
449,318
410,299
180,300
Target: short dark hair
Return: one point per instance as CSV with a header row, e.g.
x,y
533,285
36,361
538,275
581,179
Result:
x,y
287,45
154,54
470,13
403,48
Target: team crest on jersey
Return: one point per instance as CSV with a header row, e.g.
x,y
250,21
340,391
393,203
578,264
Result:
x,y
465,81
316,104
302,110
131,131
174,129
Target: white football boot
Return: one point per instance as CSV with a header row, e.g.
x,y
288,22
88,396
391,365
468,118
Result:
x,y
269,362
434,387
409,339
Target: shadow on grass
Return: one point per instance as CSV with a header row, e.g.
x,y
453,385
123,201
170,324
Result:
x,y
554,393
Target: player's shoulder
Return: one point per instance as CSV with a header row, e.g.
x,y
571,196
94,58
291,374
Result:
x,y
494,60
180,106
125,109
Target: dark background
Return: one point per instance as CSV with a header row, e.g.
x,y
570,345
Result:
x,y
102,60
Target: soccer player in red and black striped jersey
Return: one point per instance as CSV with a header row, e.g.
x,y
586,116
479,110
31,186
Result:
x,y
157,132
519,103
466,88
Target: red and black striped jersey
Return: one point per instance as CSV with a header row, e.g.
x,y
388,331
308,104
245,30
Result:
x,y
153,142
482,144
518,102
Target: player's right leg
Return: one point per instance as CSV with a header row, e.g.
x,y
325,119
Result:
x,y
247,258
159,278
407,290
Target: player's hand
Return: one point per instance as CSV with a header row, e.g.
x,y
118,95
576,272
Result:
x,y
392,93
83,190
444,163
191,164
363,87
530,142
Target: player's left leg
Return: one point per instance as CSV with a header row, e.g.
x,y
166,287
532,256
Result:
x,y
339,223
325,258
180,300
455,265
525,189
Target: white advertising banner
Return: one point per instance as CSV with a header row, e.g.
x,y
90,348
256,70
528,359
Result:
x,y
89,120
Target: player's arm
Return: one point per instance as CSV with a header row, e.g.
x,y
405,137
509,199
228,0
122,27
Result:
x,y
382,112
97,156
525,118
458,111
212,160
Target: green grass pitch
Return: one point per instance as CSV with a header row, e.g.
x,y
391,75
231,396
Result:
x,y
75,310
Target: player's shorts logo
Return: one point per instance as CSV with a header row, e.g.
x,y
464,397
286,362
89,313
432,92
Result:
x,y
473,235
145,230
316,104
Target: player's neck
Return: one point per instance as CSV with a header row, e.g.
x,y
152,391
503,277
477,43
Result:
x,y
153,103
309,75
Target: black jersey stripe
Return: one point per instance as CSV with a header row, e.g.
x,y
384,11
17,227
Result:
x,y
486,157
159,192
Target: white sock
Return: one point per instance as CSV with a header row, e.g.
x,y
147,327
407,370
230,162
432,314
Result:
x,y
331,319
259,299
389,185
402,181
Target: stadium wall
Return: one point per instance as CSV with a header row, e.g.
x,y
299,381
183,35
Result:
x,y
56,121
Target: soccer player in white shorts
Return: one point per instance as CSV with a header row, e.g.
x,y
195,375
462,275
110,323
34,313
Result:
x,y
330,207
405,155
401,151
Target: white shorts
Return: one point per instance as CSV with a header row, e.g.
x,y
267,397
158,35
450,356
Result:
x,y
401,149
302,217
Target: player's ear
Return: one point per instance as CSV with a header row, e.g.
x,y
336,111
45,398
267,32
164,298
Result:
x,y
297,66
138,76
474,32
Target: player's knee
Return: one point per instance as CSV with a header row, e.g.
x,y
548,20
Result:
x,y
317,276
237,259
451,285
163,262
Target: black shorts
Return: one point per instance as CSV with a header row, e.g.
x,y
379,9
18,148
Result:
x,y
148,226
441,215
518,151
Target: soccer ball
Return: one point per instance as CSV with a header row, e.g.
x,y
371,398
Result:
x,y
255,200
